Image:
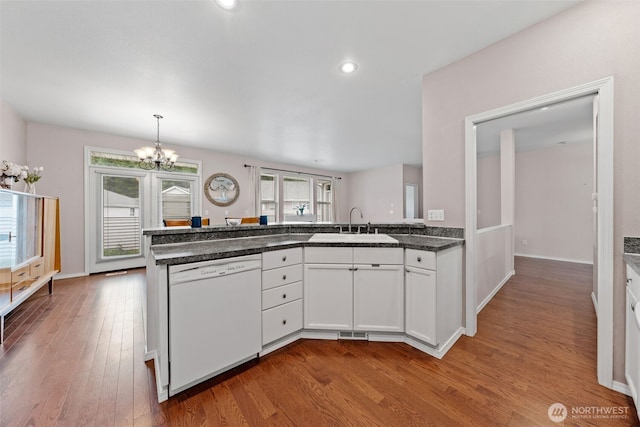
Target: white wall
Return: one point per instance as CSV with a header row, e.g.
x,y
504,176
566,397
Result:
x,y
586,43
553,203
494,263
13,136
378,192
61,152
489,201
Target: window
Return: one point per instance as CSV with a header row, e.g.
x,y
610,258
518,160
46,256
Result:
x,y
296,195
282,194
324,196
120,230
175,199
129,161
269,196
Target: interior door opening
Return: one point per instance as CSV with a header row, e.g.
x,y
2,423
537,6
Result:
x,y
602,194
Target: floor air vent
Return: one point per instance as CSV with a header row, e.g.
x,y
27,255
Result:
x,y
353,335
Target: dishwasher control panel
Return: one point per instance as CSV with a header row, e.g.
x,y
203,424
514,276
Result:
x,y
207,269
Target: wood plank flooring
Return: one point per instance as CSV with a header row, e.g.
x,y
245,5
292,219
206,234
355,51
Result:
x,y
76,358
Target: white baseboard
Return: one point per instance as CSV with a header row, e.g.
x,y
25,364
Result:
x,y
280,343
595,302
439,352
386,337
319,335
70,275
577,261
163,392
621,388
494,292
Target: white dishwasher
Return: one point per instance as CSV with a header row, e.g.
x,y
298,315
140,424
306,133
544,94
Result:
x,y
214,318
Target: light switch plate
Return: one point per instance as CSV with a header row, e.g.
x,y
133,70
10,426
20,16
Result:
x,y
435,214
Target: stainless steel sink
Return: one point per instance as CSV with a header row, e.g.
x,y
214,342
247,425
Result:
x,y
351,238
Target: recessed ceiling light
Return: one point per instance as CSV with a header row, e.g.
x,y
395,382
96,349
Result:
x,y
348,67
227,4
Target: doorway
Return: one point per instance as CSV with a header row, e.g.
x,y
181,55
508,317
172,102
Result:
x,y
411,201
121,200
603,209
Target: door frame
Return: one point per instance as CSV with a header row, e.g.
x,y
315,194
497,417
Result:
x,y
150,202
93,220
604,89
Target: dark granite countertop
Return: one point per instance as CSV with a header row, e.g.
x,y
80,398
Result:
x,y
633,260
181,253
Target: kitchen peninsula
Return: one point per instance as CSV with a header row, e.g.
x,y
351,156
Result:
x,y
400,283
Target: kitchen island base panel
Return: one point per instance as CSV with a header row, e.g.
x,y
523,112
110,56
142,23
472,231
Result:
x,y
279,287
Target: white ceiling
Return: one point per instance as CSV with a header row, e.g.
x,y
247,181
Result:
x,y
260,81
568,122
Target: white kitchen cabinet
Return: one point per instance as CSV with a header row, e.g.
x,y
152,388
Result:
x,y
361,289
420,292
378,291
433,296
281,294
328,296
378,298
632,341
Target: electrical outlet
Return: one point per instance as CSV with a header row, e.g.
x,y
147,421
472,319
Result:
x,y
525,243
435,215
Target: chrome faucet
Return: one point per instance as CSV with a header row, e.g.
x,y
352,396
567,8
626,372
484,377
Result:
x,y
350,212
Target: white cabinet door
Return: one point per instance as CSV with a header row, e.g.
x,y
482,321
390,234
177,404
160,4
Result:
x,y
420,290
378,298
632,345
328,296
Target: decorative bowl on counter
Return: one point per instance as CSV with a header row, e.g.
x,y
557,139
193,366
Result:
x,y
233,221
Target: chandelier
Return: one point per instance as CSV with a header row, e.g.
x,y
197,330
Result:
x,y
156,157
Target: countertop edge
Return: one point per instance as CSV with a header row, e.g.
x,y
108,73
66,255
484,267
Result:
x,y
293,241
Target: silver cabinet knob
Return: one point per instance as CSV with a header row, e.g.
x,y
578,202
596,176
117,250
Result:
x,y
284,258
419,259
284,296
284,322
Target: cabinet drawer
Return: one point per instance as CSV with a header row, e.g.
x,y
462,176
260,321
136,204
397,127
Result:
x,y
36,268
281,276
377,256
282,258
280,321
420,259
19,287
328,255
20,274
281,295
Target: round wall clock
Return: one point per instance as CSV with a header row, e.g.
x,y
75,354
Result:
x,y
221,189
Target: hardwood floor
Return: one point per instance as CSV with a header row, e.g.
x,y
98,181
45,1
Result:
x,y
76,358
